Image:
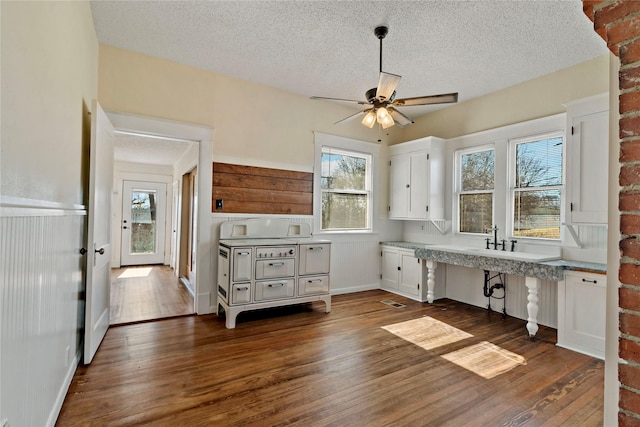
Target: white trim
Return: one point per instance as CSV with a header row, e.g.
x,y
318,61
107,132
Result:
x,y
457,185
62,391
355,146
131,123
17,206
203,135
512,189
501,138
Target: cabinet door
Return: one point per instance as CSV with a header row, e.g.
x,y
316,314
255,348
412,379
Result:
x,y
585,313
418,185
410,274
390,263
242,264
223,268
314,259
589,152
399,177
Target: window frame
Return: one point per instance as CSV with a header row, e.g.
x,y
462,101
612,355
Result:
x,y
513,190
458,184
346,146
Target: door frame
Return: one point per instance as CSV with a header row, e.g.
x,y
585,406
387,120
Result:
x,y
162,208
203,136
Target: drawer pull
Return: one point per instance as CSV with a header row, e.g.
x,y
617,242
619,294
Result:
x,y
275,285
244,253
319,248
244,288
276,264
314,281
589,281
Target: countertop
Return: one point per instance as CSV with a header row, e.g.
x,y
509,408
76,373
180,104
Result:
x,y
550,270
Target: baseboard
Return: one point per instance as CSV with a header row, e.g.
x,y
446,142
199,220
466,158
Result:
x,y
586,352
62,392
353,289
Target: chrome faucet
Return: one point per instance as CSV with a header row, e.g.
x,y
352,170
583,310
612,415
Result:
x,y
495,237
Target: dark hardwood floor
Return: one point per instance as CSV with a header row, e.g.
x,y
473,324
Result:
x,y
301,366
147,292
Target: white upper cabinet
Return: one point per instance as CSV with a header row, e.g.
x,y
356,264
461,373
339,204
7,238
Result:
x,y
416,176
587,160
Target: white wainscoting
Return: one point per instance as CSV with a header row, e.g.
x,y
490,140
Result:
x,y
41,309
466,285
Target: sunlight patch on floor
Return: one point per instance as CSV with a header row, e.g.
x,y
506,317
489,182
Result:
x,y
135,272
427,332
485,359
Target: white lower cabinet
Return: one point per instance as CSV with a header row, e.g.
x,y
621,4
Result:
x,y
581,312
404,274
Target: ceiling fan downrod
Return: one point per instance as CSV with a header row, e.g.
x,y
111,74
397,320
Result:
x,y
380,33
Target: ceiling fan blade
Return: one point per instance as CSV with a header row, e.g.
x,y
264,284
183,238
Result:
x,y
387,85
340,99
400,119
427,100
349,118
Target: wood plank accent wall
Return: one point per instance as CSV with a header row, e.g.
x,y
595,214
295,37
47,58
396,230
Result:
x,y
255,190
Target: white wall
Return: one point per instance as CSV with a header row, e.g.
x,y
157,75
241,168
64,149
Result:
x,y
49,79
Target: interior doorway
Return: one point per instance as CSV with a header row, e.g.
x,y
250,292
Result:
x,y
200,156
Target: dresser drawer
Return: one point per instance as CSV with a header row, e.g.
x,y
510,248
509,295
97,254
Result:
x,y
241,293
312,285
274,289
270,269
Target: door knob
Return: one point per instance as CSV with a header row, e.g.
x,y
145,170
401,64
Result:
x,y
100,251
124,228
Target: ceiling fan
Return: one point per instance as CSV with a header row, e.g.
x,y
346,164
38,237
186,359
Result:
x,y
382,102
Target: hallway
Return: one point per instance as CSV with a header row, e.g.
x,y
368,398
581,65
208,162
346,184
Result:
x,y
145,293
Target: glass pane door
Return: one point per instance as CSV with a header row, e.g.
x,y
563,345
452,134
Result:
x,y
143,221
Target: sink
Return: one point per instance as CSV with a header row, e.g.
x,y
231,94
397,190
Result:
x,y
521,256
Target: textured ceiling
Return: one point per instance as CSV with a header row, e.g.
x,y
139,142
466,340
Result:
x,y
327,48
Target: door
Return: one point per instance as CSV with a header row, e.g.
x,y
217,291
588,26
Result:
x,y
143,222
188,241
418,165
399,192
409,281
99,232
174,226
390,267
589,146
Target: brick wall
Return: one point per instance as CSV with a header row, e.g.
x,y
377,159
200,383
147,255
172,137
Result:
x,y
618,23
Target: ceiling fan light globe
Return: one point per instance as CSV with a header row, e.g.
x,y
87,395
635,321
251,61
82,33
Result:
x,y
369,119
382,113
384,118
387,123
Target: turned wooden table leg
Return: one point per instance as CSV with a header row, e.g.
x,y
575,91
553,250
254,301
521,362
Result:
x,y
431,276
533,285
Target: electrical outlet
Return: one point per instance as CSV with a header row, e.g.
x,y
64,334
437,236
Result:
x,y
218,204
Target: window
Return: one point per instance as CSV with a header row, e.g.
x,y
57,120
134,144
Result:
x,y
475,183
537,186
345,184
